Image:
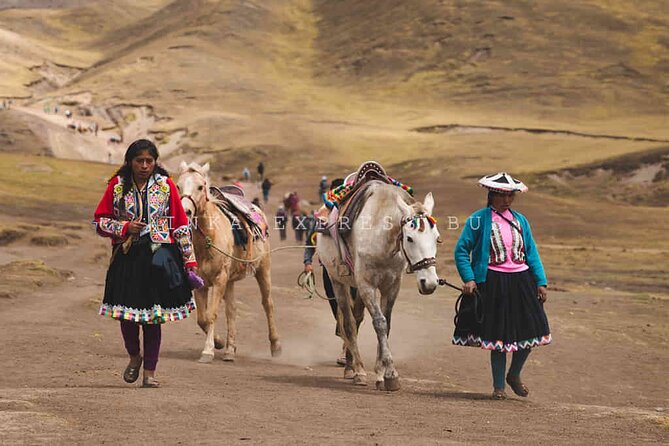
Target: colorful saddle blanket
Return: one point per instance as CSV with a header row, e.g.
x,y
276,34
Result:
x,y
247,219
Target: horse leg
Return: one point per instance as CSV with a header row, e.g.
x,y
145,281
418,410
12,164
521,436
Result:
x,y
385,370
231,321
210,316
201,303
349,330
388,298
265,283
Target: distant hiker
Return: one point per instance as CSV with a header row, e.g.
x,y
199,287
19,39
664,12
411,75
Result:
x,y
261,171
299,225
322,187
280,219
246,174
266,186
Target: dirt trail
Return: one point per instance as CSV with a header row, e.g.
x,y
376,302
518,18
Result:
x,y
61,380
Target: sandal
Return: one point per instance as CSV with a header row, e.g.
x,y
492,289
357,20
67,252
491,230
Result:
x,y
150,382
498,394
517,386
131,374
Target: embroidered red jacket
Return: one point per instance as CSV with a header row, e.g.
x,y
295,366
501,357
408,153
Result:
x,y
168,222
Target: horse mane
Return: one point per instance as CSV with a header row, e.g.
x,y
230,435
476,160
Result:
x,y
392,193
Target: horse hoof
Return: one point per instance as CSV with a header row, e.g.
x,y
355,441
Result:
x,y
229,357
379,385
206,359
276,350
392,384
349,373
219,345
359,380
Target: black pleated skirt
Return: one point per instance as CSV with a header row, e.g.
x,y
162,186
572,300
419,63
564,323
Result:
x,y
138,291
510,317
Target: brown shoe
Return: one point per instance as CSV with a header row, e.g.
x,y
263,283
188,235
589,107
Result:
x,y
150,382
498,394
517,386
131,374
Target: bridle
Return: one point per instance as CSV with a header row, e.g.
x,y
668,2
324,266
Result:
x,y
190,197
423,263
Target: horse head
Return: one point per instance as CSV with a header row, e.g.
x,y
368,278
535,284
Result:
x,y
418,241
193,185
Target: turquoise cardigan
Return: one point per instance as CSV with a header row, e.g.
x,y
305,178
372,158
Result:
x,y
475,241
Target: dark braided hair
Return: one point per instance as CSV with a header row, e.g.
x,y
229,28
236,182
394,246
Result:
x,y
336,183
490,195
125,172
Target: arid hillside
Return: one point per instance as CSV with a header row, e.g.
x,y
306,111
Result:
x,y
347,79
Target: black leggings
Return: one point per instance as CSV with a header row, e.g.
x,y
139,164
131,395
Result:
x,y
329,292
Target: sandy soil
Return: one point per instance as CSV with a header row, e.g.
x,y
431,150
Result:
x,y
600,382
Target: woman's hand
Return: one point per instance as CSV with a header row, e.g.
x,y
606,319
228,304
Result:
x,y
469,287
542,291
308,268
135,227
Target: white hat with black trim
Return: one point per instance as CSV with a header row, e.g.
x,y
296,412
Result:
x,y
502,182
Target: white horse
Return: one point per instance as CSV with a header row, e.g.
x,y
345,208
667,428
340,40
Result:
x,y
212,234
392,232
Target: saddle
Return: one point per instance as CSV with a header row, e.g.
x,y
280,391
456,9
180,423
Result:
x,y
248,221
341,218
350,205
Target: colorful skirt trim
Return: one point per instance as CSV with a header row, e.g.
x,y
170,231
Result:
x,y
155,315
501,346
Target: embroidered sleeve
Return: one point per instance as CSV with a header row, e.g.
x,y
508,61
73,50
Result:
x,y
184,239
105,223
182,233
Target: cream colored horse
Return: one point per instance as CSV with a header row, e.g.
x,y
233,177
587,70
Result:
x,y
219,271
392,232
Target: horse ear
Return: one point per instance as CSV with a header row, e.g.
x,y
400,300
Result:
x,y
183,166
428,203
205,169
406,209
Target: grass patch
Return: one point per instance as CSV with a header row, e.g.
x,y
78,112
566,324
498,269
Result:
x,y
27,275
69,187
8,235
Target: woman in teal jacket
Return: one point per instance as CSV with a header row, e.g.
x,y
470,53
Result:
x,y
496,256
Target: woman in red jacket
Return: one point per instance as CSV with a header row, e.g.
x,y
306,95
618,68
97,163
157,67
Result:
x,y
146,284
